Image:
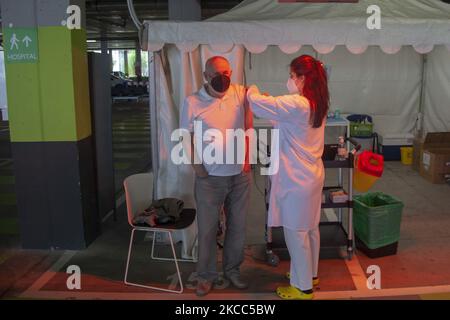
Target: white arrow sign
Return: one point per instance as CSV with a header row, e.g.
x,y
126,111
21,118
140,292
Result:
x,y
27,41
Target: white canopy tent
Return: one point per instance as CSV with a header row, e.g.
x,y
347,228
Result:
x,y
395,73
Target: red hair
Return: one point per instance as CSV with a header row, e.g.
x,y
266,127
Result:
x,y
316,86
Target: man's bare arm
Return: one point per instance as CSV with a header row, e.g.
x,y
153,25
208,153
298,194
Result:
x,y
248,122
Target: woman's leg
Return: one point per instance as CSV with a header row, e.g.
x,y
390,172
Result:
x,y
298,244
314,240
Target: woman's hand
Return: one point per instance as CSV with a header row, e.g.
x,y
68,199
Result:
x,y
252,90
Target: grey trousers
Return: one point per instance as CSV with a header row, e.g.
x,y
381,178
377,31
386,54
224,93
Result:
x,y
211,194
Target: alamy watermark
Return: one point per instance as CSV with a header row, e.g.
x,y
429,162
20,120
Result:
x,y
374,279
374,21
73,21
212,146
73,282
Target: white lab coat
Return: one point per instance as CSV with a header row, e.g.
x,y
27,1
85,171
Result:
x,y
296,189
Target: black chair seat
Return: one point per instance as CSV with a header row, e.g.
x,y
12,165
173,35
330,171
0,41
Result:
x,y
187,217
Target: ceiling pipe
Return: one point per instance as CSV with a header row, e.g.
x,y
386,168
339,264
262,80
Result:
x,y
135,19
133,14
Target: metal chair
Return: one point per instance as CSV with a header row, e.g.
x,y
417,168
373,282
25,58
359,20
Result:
x,y
138,193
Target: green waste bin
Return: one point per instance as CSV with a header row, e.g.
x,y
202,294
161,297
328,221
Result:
x,y
377,218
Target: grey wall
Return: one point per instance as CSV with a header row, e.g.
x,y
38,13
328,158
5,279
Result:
x,y
187,10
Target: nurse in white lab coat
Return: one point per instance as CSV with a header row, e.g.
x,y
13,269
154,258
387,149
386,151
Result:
x,y
296,192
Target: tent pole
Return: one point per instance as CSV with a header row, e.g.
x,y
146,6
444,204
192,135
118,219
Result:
x,y
135,19
152,62
133,14
420,117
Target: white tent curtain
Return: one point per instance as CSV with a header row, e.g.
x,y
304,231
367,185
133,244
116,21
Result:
x,y
385,86
437,91
169,175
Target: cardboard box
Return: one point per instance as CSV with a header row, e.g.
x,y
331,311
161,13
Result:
x,y
437,140
434,161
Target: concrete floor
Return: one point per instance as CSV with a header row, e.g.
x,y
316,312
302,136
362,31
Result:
x,y
418,271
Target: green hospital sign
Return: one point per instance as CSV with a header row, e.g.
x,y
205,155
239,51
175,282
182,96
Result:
x,y
21,45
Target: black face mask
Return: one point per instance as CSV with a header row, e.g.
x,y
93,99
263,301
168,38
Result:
x,y
220,83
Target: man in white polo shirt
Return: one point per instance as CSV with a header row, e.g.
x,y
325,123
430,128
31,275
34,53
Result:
x,y
219,105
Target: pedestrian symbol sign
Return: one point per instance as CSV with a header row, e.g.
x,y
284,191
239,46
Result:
x,y
21,45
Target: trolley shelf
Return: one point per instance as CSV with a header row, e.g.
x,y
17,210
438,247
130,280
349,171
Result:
x,y
328,204
326,188
337,164
331,205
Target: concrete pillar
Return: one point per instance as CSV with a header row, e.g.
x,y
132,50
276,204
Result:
x,y
50,122
103,42
125,62
104,47
190,10
110,60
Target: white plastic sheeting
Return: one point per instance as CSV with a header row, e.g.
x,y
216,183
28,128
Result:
x,y
385,86
166,171
437,91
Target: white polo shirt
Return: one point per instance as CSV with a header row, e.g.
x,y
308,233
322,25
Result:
x,y
220,114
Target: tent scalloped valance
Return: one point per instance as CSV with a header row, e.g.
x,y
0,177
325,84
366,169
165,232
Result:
x,y
291,48
222,47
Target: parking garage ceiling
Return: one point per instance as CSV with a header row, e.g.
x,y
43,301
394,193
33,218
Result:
x,y
110,19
